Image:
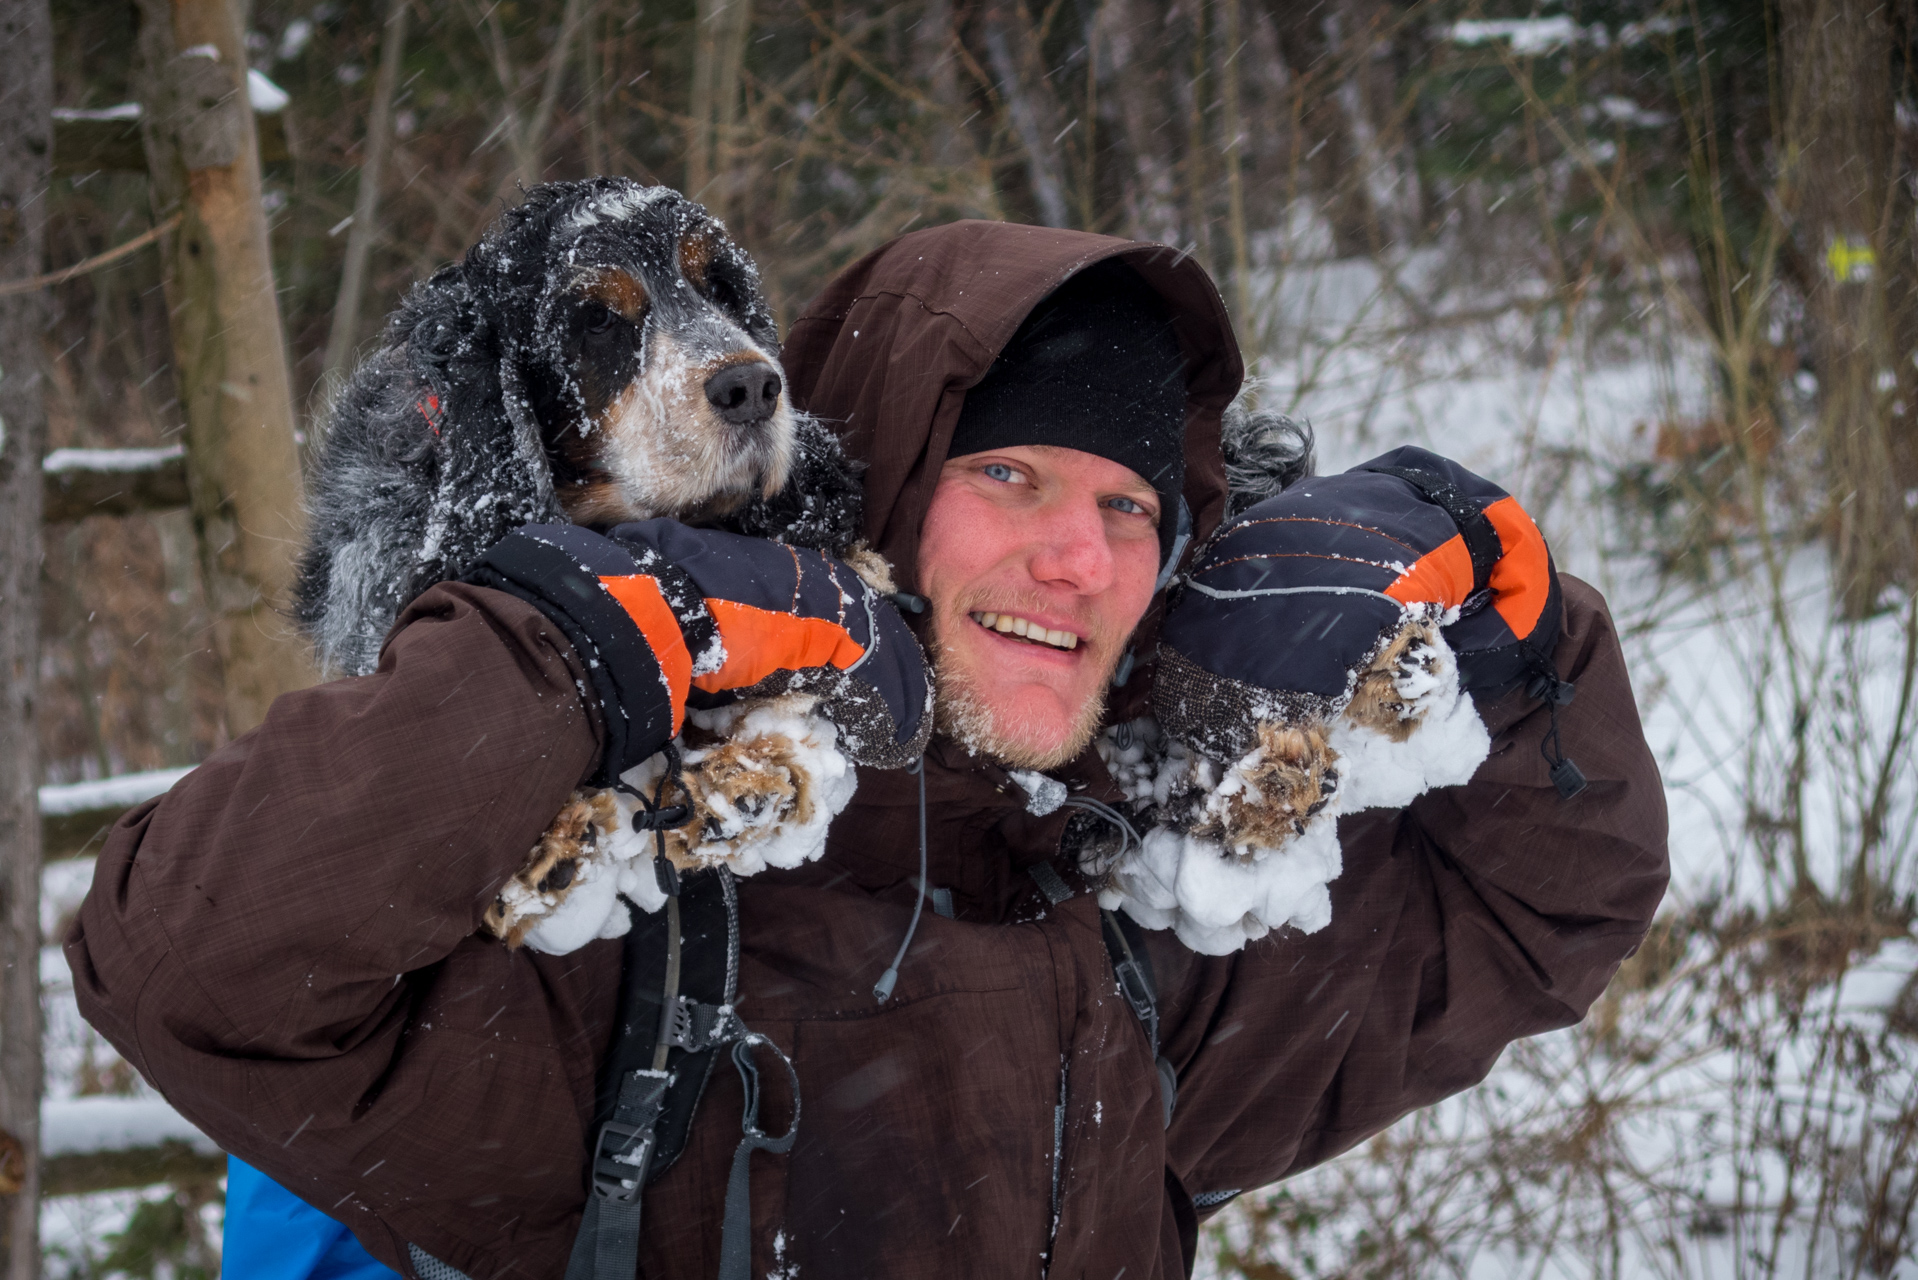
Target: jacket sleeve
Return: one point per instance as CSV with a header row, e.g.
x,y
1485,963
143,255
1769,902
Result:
x,y
1479,915
284,944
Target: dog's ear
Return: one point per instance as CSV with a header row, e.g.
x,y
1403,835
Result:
x,y
423,468
492,475
378,474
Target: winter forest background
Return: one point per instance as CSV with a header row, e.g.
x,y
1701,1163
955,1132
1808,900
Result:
x,y
1653,264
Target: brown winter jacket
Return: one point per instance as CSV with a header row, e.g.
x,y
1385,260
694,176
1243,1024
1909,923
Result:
x,y
285,945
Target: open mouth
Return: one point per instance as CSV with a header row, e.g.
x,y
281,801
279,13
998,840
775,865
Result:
x,y
1008,624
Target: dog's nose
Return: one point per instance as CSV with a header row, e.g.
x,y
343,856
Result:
x,y
745,394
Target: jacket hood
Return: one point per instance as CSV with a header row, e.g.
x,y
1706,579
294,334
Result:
x,y
884,356
886,353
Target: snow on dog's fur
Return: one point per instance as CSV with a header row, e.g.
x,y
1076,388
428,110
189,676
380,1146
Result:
x,y
602,355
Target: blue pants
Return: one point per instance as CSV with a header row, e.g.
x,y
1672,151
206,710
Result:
x,y
272,1234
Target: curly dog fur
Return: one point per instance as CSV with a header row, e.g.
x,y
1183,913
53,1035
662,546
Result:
x,y
603,354
1377,700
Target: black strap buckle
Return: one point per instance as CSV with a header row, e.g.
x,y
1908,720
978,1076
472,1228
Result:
x,y
619,1175
695,1026
623,1152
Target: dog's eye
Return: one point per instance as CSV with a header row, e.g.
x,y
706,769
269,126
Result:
x,y
598,318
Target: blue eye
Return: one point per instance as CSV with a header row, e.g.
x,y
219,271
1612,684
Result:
x,y
999,471
1128,506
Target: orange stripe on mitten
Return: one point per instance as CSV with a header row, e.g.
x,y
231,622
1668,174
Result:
x,y
639,595
761,641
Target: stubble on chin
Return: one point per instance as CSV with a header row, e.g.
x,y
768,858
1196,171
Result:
x,y
962,713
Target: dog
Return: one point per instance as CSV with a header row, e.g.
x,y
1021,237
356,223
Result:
x,y
604,354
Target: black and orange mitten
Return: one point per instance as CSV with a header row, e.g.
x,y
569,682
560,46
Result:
x,y
614,612
739,682
1317,661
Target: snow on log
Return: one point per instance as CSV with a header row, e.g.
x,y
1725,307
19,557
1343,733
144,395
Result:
x,y
108,138
81,1126
106,1143
117,794
73,817
114,482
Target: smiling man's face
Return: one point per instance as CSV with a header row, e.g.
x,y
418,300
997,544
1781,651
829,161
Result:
x,y
1039,562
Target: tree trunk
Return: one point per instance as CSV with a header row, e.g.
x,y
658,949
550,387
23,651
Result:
x,y
1198,223
1839,143
592,76
1901,259
229,356
1233,146
1310,39
948,146
26,155
344,337
526,136
1012,51
1133,88
719,47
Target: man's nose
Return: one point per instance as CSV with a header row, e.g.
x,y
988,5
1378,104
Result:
x,y
1070,548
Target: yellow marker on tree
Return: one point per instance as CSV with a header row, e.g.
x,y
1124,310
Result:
x,y
1851,260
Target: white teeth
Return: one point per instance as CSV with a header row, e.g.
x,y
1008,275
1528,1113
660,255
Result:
x,y
1006,624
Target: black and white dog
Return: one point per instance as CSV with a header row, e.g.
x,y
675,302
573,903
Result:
x,y
602,355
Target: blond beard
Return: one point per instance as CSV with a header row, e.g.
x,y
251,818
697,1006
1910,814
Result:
x,y
961,714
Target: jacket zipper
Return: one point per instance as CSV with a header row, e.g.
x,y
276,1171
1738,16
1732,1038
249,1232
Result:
x,y
1058,1166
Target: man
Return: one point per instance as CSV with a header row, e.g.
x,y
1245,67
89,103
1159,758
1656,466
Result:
x,y
285,944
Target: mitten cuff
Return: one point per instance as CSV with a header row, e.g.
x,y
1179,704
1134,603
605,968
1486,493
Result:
x,y
616,618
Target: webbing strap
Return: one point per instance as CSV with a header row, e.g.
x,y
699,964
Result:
x,y
1474,526
1050,882
608,1242
736,1239
646,1119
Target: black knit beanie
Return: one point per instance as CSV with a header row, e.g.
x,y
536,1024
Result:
x,y
1095,367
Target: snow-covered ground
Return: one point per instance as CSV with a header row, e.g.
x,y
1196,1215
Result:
x,y
1708,1124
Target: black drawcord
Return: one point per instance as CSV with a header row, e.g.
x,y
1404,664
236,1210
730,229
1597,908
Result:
x,y
655,817
1567,778
882,990
1128,836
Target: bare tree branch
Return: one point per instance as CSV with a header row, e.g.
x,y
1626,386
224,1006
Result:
x,y
344,335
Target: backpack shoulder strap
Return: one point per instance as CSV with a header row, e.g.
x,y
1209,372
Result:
x,y
679,974
1132,966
